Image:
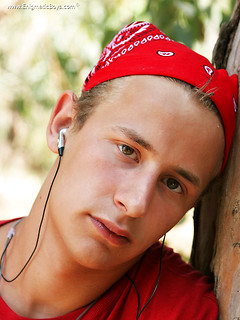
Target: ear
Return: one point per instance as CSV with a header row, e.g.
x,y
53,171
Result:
x,y
61,117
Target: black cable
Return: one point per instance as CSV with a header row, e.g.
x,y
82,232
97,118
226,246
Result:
x,y
138,297
155,288
158,279
39,229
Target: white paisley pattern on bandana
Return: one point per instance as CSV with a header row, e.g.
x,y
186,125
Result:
x,y
126,40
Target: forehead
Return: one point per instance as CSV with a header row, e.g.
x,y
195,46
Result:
x,y
150,94
147,88
154,98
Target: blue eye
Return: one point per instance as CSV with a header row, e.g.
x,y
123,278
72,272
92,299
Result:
x,y
128,151
173,185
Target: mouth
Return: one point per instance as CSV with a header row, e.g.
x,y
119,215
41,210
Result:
x,y
111,232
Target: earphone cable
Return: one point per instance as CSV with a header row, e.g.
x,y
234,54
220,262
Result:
x,y
158,279
155,288
39,229
138,297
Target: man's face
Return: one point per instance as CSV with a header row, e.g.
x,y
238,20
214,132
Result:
x,y
133,170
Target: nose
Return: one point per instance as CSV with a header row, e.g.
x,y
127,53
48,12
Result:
x,y
134,198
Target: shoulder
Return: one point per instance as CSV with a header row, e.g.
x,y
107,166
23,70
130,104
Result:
x,y
175,271
173,264
183,292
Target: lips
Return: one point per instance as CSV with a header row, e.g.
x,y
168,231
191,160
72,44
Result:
x,y
111,232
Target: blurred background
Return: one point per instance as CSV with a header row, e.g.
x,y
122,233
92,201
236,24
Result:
x,y
44,51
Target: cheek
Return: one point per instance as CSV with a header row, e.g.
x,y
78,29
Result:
x,y
87,176
165,214
79,189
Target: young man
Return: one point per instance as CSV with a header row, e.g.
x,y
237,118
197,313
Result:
x,y
139,150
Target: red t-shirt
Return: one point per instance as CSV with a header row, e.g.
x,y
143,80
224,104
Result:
x,y
182,293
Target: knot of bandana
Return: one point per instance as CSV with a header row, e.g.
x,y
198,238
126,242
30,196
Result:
x,y
142,49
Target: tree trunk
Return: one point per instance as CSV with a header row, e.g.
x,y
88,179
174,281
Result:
x,y
216,245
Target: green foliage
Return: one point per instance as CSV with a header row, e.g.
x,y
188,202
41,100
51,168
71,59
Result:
x,y
44,52
182,20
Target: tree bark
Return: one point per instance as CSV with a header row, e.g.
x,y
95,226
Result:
x,y
216,245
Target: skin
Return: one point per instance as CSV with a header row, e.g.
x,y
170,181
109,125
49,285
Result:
x,y
138,164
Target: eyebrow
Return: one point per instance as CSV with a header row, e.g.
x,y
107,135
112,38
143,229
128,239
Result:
x,y
133,135
188,176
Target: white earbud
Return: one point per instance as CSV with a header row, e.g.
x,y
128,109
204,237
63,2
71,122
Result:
x,y
61,141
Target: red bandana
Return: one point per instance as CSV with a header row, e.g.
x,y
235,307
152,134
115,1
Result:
x,y
141,48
